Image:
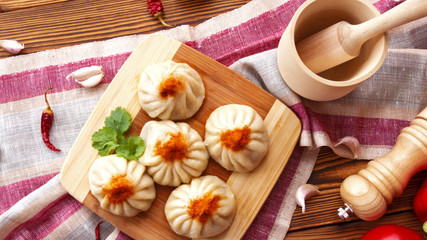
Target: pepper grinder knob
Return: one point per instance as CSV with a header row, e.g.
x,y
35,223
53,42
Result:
x,y
369,191
344,213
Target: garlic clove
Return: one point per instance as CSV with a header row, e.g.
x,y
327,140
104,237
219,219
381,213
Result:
x,y
304,192
347,147
84,73
92,81
11,46
87,76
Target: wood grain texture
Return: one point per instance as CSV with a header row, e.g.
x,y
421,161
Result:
x,y
223,86
370,190
11,5
355,229
66,23
321,220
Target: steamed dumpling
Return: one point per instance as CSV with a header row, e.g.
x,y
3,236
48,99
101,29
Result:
x,y
236,137
203,208
122,187
170,91
174,154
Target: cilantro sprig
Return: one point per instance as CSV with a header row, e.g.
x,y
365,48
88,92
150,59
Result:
x,y
111,138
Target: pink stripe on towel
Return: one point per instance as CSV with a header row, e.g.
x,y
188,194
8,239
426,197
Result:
x,y
14,192
256,35
47,220
32,86
264,221
369,131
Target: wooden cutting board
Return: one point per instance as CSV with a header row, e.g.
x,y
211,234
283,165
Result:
x,y
223,86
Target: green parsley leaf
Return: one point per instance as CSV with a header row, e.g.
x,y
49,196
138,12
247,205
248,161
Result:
x,y
111,138
121,140
119,120
134,148
105,140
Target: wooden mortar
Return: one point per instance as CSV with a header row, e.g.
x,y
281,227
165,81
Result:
x,y
313,16
342,41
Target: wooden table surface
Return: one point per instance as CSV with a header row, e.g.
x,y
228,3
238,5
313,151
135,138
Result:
x,y
50,24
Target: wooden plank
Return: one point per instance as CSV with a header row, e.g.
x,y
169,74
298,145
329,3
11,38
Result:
x,y
223,86
80,21
356,229
11,5
329,172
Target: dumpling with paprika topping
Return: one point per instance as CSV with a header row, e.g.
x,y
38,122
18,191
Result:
x,y
236,137
175,152
122,187
170,91
203,208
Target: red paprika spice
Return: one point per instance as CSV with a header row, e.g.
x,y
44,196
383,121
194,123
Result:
x,y
236,139
203,208
46,123
175,149
118,189
170,87
420,204
156,9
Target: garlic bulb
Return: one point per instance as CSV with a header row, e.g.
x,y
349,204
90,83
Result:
x,y
87,76
11,46
304,192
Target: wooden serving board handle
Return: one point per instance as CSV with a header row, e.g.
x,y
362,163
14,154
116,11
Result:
x,y
370,191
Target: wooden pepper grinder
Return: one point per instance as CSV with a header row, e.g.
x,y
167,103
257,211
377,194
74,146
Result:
x,y
368,192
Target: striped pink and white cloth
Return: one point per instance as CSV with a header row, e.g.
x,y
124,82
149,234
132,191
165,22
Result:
x,y
34,205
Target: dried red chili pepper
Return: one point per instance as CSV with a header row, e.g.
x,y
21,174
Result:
x,y
156,9
46,123
97,234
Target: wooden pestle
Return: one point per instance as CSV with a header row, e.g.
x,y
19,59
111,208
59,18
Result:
x,y
370,191
342,41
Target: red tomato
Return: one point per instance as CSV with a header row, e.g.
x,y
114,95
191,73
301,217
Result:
x,y
391,232
420,202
